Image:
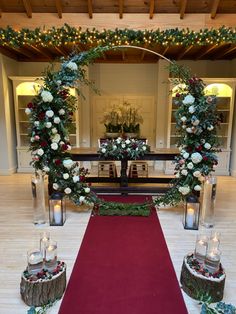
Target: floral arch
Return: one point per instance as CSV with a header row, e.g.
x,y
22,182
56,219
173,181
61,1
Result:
x,y
50,115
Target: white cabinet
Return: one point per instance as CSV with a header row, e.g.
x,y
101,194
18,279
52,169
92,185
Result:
x,y
224,89
24,89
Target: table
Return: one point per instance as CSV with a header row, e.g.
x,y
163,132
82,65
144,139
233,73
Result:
x,y
91,154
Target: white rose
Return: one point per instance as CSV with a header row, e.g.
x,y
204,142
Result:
x,y
103,150
32,139
57,120
191,109
189,130
61,112
195,122
81,199
46,96
66,176
72,66
177,175
136,148
54,146
27,111
118,140
210,128
196,158
189,99
67,190
56,138
144,148
87,190
48,125
127,142
54,130
186,155
46,169
184,190
68,163
59,82
68,147
184,172
183,119
207,145
55,186
197,174
40,152
36,123
197,187
76,179
123,145
114,147
190,165
183,126
49,113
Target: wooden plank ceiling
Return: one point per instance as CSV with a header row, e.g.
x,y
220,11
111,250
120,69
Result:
x,y
121,7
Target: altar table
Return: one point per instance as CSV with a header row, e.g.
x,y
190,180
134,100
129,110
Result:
x,y
91,154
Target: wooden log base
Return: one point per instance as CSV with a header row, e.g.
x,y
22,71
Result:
x,y
43,291
198,286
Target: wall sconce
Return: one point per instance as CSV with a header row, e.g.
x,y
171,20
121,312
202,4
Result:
x,y
57,209
191,213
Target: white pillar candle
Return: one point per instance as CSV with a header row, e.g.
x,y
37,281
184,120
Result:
x,y
57,213
190,217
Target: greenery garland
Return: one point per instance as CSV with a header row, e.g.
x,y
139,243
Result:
x,y
71,35
50,121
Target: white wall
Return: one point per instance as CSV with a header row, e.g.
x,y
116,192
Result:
x,y
8,160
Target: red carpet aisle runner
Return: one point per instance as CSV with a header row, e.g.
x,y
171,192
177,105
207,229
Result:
x,y
123,267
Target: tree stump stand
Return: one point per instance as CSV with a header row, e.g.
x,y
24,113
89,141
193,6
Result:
x,y
42,291
197,285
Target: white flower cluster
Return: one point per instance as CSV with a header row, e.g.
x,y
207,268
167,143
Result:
x,y
72,66
46,96
184,190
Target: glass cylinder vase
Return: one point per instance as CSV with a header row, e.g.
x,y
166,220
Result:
x,y
208,202
37,184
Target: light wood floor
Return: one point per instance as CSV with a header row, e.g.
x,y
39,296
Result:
x,y
18,234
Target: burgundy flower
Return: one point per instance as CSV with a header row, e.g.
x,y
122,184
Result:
x,y
64,146
30,105
41,115
82,178
43,144
57,162
199,148
177,95
205,158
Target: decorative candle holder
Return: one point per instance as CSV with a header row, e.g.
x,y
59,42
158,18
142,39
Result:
x,y
212,260
208,202
37,185
191,213
214,241
201,247
44,238
35,261
51,255
57,210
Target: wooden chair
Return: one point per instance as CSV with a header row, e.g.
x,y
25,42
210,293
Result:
x,y
138,169
106,168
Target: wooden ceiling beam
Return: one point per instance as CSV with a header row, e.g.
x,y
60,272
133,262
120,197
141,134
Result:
x,y
8,52
151,10
205,52
142,55
59,8
165,50
183,4
28,8
123,55
214,8
229,50
121,8
90,9
184,52
41,52
22,51
61,51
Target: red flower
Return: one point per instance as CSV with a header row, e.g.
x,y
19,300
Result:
x,y
82,178
205,158
41,115
57,162
177,95
64,147
43,144
30,105
199,148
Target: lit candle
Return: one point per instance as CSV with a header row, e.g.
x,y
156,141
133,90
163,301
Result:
x,y
35,261
212,260
214,240
190,217
35,258
201,247
57,213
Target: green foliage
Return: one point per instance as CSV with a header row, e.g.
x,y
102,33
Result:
x,y
218,308
67,34
40,309
124,209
